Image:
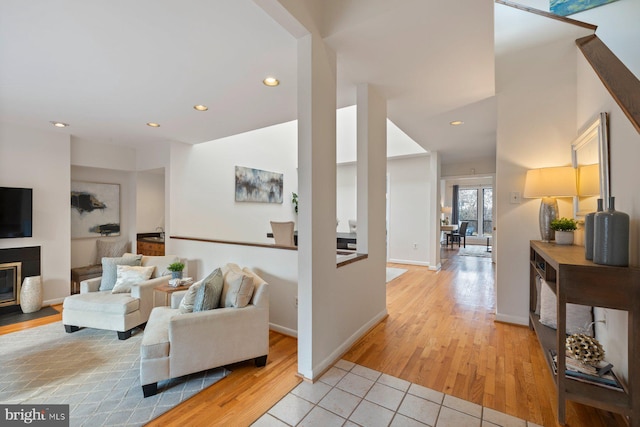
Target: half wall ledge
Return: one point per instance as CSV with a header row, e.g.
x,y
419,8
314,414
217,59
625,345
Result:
x,y
342,258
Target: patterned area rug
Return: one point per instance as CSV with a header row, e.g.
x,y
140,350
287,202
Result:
x,y
393,273
475,250
92,371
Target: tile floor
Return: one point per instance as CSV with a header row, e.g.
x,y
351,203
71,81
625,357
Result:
x,y
351,395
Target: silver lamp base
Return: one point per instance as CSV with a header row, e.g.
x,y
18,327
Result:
x,y
548,212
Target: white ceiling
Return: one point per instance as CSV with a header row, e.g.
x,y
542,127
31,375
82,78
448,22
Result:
x,y
109,67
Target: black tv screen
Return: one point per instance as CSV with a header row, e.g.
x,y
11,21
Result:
x,y
16,212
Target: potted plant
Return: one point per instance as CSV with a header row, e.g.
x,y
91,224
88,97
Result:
x,y
176,270
294,200
564,228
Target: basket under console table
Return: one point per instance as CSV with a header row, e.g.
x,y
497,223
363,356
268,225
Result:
x,y
579,281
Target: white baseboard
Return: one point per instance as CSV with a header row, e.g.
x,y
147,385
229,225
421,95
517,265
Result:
x,y
330,360
404,261
283,330
516,320
53,301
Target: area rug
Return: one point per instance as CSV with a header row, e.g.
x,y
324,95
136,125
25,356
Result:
x,y
475,250
394,273
92,371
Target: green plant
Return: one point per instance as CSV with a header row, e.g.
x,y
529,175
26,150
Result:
x,y
176,266
564,224
294,200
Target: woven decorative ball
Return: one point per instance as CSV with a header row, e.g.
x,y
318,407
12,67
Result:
x,y
584,348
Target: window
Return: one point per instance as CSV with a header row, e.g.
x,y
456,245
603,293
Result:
x,y
476,203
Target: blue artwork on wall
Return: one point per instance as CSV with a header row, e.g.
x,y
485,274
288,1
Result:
x,y
569,7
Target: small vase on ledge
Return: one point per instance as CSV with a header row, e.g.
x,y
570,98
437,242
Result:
x,y
564,237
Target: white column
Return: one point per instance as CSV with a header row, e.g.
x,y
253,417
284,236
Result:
x,y
434,208
371,171
317,195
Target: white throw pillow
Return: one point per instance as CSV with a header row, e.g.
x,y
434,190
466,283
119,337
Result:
x,y
186,304
128,275
579,317
237,290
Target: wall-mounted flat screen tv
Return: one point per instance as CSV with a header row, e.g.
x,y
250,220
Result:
x,y
16,212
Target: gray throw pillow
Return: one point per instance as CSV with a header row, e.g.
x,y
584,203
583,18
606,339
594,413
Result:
x,y
110,249
110,269
208,296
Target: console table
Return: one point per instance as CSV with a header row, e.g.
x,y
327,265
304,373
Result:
x,y
579,281
83,273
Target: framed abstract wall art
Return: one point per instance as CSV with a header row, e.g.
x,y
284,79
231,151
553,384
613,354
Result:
x,y
255,185
95,209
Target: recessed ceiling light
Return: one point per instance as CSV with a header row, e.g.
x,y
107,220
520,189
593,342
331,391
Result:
x,y
456,123
200,107
271,81
153,125
59,124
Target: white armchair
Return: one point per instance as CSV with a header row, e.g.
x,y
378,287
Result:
x,y
120,312
176,344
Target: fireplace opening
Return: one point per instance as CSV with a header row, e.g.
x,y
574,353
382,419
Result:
x,y
10,279
15,265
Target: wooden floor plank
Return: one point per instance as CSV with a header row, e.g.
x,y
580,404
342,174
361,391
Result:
x,y
440,333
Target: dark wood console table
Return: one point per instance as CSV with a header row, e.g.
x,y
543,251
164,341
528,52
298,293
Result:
x,y
579,281
83,273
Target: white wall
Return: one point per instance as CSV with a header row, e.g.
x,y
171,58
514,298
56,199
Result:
x,y
477,167
40,160
346,196
409,190
202,185
278,267
537,101
150,200
409,215
624,151
617,27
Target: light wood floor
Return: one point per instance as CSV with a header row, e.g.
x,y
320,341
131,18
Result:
x,y
440,333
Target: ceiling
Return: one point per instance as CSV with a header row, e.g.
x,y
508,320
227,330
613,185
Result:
x,y
108,68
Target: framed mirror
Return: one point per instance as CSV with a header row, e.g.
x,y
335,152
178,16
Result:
x,y
590,157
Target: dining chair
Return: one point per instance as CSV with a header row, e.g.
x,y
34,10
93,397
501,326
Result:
x,y
283,233
460,235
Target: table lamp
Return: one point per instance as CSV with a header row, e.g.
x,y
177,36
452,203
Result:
x,y
547,184
446,210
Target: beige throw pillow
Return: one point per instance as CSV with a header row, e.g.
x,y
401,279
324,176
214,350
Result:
x,y
579,317
128,275
238,289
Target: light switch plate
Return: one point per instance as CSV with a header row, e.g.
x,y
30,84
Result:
x,y
514,197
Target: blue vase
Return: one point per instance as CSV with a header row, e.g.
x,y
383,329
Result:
x,y
588,231
611,237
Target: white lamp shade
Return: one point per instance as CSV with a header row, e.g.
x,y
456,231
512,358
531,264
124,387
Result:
x,y
550,182
446,209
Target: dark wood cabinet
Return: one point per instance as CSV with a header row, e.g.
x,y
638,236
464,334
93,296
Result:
x,y
579,281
